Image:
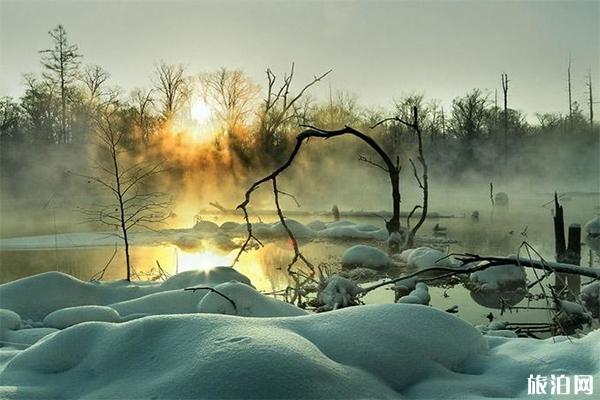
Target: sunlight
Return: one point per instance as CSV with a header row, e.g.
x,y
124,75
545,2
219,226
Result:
x,y
202,260
199,111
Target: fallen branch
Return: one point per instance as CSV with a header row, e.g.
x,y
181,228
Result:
x,y
193,289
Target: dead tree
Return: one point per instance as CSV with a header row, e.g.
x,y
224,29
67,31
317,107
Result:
x,y
281,106
132,206
590,100
505,94
569,89
94,78
422,178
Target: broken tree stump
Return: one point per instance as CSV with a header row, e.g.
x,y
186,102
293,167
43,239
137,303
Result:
x,y
568,254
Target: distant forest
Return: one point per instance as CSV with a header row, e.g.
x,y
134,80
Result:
x,y
53,128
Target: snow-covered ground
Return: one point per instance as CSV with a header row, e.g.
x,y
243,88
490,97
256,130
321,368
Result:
x,y
233,342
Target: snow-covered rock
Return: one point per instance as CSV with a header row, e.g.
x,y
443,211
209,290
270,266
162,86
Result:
x,y
248,302
175,301
366,257
420,295
206,227
338,292
316,225
61,319
425,257
499,277
590,297
592,227
298,229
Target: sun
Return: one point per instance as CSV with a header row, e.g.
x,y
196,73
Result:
x,y
199,111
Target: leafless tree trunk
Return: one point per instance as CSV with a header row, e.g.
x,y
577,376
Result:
x,y
132,207
505,93
569,89
590,100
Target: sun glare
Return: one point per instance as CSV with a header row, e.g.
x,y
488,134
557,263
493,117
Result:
x,y
200,112
202,260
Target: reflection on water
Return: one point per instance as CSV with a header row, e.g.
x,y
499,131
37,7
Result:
x,y
499,234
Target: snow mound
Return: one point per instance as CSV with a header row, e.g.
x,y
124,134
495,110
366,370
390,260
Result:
x,y
365,257
248,302
316,225
592,227
338,292
61,319
298,229
420,295
590,296
9,320
361,352
176,301
425,257
34,297
499,277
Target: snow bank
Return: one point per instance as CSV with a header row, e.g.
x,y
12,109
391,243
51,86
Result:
x,y
248,302
34,297
61,319
362,352
298,229
9,319
366,257
499,277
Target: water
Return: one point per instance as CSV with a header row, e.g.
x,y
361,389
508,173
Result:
x,y
497,233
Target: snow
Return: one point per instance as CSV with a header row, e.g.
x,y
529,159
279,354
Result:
x,y
217,356
9,319
299,230
338,292
498,277
420,295
425,257
248,302
24,296
592,227
366,257
373,351
590,297
61,319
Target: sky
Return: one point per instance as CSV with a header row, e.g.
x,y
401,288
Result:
x,y
378,50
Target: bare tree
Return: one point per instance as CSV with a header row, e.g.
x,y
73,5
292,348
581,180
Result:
x,y
132,205
143,102
172,87
94,78
230,94
505,94
569,89
281,105
62,63
590,96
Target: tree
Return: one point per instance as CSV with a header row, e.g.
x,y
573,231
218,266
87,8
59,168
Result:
x,y
94,78
41,105
10,119
172,87
468,115
505,96
280,108
62,63
143,102
230,94
590,96
132,205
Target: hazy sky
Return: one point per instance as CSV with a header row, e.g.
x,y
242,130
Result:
x,y
379,50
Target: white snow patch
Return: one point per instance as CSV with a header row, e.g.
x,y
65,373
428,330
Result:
x,y
420,295
366,257
500,276
61,319
248,302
